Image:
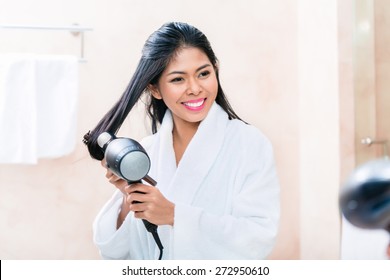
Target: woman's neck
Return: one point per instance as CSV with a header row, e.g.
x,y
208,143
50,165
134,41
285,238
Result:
x,y
182,134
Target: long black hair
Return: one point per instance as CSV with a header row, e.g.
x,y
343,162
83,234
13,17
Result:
x,y
157,52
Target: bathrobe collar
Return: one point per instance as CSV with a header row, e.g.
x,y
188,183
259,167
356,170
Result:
x,y
182,182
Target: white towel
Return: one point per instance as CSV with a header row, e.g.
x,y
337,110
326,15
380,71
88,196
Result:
x,y
17,110
38,107
57,92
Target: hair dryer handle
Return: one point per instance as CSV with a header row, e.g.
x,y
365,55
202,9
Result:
x,y
152,228
148,225
150,180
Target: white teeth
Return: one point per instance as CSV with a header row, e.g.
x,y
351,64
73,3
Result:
x,y
194,104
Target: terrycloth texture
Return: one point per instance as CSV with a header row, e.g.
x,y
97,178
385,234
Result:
x,y
225,191
38,107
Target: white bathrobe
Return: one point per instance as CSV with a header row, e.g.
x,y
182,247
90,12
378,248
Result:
x,y
225,191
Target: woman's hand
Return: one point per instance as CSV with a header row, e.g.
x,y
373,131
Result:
x,y
148,203
145,201
118,182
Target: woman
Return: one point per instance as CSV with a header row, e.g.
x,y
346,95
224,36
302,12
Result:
x,y
217,195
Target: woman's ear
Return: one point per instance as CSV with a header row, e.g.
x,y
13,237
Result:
x,y
154,91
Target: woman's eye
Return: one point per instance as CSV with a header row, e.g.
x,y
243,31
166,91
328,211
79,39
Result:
x,y
204,74
176,80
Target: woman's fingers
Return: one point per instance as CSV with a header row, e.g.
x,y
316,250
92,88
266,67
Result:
x,y
136,197
112,178
116,181
148,203
138,187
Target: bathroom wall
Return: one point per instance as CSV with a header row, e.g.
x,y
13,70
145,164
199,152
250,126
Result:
x,y
319,119
46,210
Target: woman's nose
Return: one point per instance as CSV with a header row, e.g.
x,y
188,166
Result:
x,y
194,87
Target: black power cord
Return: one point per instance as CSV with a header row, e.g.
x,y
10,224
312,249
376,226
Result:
x,y
152,228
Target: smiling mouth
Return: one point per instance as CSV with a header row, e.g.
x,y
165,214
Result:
x,y
195,104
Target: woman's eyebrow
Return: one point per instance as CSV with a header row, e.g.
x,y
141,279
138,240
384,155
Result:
x,y
182,72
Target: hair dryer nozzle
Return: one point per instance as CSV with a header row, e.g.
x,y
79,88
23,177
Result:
x,y
104,138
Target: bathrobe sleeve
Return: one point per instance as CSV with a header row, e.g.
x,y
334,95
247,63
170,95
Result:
x,y
129,241
249,227
112,243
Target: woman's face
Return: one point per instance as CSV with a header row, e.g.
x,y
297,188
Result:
x,y
188,86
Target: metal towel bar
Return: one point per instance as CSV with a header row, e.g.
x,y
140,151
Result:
x,y
75,29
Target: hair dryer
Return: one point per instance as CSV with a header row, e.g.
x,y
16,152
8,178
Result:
x,y
365,198
127,159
